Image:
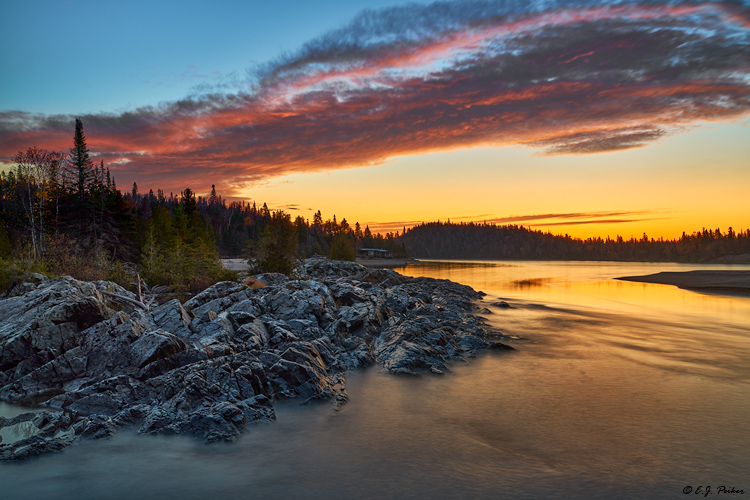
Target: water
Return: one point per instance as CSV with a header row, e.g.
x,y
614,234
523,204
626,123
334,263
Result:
x,y
616,390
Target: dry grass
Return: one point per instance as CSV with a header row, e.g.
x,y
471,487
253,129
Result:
x,y
253,283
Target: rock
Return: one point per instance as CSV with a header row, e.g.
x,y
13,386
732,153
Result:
x,y
153,346
212,293
213,365
30,282
502,304
172,317
274,279
45,322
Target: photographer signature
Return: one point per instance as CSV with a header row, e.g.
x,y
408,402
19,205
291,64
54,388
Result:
x,y
706,490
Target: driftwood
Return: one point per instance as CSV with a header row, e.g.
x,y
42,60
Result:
x,y
145,306
138,302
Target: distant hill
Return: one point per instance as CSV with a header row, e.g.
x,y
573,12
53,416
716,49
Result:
x,y
445,240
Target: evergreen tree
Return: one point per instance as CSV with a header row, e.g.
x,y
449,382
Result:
x,y
80,162
81,218
341,248
278,245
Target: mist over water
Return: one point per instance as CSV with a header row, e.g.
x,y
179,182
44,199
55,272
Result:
x,y
616,390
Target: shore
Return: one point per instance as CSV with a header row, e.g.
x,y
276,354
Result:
x,y
381,263
731,282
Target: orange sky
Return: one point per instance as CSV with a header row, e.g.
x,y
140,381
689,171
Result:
x,y
698,178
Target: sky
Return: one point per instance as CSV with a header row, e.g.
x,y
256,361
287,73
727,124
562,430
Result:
x,y
577,117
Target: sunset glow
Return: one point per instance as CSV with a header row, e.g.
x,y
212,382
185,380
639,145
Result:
x,y
591,119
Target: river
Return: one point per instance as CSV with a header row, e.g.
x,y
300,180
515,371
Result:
x,y
615,390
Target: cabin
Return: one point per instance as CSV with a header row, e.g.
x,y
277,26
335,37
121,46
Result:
x,y
373,253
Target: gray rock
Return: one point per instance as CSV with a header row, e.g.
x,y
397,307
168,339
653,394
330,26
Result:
x,y
501,303
214,365
212,293
172,317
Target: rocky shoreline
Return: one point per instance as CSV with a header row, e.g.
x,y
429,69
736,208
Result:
x,y
215,364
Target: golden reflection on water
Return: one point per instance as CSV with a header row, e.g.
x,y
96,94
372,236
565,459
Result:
x,y
581,306
591,285
641,382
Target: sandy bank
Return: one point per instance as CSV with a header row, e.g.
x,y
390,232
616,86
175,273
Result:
x,y
733,282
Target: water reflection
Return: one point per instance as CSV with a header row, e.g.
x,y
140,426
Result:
x,y
586,285
534,282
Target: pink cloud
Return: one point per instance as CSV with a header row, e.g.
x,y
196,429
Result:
x,y
567,80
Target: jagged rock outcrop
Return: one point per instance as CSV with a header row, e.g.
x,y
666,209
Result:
x,y
216,363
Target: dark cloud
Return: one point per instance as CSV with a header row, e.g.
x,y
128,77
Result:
x,y
567,77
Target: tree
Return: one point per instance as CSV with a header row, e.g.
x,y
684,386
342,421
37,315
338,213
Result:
x,y
82,166
341,248
38,175
81,219
318,219
278,245
4,242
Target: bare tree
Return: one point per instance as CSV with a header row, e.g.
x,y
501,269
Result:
x,y
39,174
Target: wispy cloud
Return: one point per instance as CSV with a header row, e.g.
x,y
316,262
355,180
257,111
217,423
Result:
x,y
595,221
562,76
573,218
536,220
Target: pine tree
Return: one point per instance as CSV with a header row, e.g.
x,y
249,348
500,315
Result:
x,y
79,160
81,220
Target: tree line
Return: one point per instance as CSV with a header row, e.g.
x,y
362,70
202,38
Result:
x,y
63,214
446,240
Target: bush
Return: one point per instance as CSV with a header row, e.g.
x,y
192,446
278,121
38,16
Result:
x,y
342,248
278,245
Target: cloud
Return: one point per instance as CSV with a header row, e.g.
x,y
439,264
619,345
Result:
x,y
566,77
535,220
597,221
571,218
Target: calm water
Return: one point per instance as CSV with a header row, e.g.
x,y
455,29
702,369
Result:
x,y
616,390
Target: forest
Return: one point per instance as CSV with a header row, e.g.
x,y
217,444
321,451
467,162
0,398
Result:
x,y
446,240
61,214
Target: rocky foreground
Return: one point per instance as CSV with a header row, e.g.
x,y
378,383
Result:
x,y
213,365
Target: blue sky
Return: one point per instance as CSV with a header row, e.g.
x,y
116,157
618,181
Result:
x,y
76,57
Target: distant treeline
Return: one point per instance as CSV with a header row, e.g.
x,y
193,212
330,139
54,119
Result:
x,y
446,240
